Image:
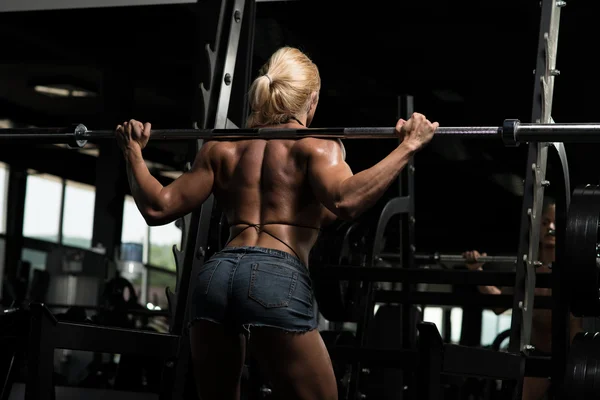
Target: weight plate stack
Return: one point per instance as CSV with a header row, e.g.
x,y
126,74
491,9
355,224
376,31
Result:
x,y
581,239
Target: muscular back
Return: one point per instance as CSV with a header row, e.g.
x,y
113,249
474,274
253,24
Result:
x,y
265,182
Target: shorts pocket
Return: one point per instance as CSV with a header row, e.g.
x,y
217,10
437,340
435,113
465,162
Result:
x,y
272,285
205,276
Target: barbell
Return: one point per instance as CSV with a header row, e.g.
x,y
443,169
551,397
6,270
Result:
x,y
512,132
450,258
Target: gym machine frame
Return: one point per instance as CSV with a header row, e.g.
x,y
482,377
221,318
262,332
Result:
x,y
197,225
491,364
45,333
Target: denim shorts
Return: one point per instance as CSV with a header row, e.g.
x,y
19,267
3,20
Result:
x,y
244,287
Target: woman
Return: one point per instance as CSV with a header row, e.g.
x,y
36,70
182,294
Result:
x,y
255,294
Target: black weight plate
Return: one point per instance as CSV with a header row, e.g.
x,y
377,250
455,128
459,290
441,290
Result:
x,y
338,300
330,294
591,358
577,236
582,379
575,368
581,237
595,388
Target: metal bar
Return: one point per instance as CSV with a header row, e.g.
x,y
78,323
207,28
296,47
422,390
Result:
x,y
132,311
523,132
20,5
431,360
66,135
540,367
566,133
478,362
561,316
114,340
408,337
367,306
456,299
535,172
215,100
450,258
391,358
422,275
231,49
40,355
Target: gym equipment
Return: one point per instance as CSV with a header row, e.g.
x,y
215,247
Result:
x,y
582,373
343,243
512,132
341,370
78,276
215,104
583,279
45,332
450,258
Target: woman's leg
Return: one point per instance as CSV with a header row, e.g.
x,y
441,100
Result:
x,y
297,364
535,388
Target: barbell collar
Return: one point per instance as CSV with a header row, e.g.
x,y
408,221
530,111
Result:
x,y
510,128
80,133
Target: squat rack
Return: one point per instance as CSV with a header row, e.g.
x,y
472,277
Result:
x,y
436,358
36,328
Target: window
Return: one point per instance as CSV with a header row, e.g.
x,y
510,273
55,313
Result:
x,y
135,229
3,195
162,239
43,202
157,282
434,315
35,257
157,241
46,198
492,325
455,324
2,250
78,216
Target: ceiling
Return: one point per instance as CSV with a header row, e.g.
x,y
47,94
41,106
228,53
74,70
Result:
x,y
465,63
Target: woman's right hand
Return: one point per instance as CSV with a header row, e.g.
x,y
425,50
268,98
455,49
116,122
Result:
x,y
471,259
417,131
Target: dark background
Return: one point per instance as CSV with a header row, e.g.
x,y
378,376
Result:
x,y
466,63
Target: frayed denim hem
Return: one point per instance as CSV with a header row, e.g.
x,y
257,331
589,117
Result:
x,y
246,327
284,330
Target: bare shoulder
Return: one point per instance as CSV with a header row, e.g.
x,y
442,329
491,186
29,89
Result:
x,y
207,153
321,147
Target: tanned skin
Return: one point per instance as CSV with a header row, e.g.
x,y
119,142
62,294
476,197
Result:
x,y
305,182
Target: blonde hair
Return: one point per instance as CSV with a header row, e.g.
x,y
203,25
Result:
x,y
283,88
